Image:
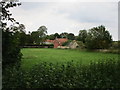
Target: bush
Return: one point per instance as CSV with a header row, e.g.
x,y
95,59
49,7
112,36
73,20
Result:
x,y
81,45
66,43
10,48
115,45
102,74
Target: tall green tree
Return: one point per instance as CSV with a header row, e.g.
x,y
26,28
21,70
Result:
x,y
64,35
10,41
98,38
82,35
35,37
56,35
51,37
71,36
42,31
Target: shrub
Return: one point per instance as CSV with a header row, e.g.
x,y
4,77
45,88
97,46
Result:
x,y
66,43
81,45
10,48
102,74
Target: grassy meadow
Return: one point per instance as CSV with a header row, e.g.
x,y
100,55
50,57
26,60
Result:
x,y
32,56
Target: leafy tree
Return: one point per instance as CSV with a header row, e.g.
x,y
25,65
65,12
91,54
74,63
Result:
x,y
35,37
66,43
64,35
42,31
51,37
98,38
56,35
82,35
20,31
71,36
10,41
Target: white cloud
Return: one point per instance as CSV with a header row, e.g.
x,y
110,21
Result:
x,y
67,17
70,0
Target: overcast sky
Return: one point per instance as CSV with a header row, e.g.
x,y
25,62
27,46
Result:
x,y
68,16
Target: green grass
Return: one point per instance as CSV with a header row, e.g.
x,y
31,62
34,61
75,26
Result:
x,y
32,56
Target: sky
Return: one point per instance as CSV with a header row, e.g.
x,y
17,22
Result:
x,y
70,17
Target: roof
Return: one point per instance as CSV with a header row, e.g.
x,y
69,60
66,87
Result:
x,y
61,40
49,40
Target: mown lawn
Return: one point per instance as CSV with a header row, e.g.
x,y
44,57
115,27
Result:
x,y
32,56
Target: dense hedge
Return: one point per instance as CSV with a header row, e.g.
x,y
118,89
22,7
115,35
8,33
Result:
x,y
10,48
70,75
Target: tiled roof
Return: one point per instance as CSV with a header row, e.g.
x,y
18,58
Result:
x,y
58,41
62,40
49,40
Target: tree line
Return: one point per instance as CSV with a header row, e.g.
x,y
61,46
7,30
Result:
x,y
94,38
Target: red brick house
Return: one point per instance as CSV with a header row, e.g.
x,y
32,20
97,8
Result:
x,y
57,42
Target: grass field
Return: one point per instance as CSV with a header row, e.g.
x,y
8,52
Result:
x,y
32,56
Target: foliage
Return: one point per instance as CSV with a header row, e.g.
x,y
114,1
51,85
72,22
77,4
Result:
x,y
98,38
56,35
103,74
71,36
35,37
10,46
53,36
64,35
82,35
66,43
6,15
115,45
81,45
10,36
42,31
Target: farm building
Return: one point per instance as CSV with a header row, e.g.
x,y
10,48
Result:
x,y
57,42
73,44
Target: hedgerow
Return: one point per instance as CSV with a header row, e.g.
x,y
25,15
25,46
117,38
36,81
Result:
x,y
101,74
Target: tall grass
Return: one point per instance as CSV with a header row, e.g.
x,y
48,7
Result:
x,y
101,74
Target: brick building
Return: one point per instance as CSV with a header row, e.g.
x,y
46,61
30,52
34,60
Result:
x,y
57,42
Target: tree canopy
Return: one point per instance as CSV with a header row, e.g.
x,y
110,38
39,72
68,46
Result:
x,y
98,38
10,38
82,35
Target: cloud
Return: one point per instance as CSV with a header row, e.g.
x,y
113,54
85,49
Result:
x,y
70,0
67,16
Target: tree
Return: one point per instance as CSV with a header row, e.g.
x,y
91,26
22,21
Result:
x,y
20,32
10,41
56,35
42,31
35,37
98,38
64,35
51,37
82,35
71,36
